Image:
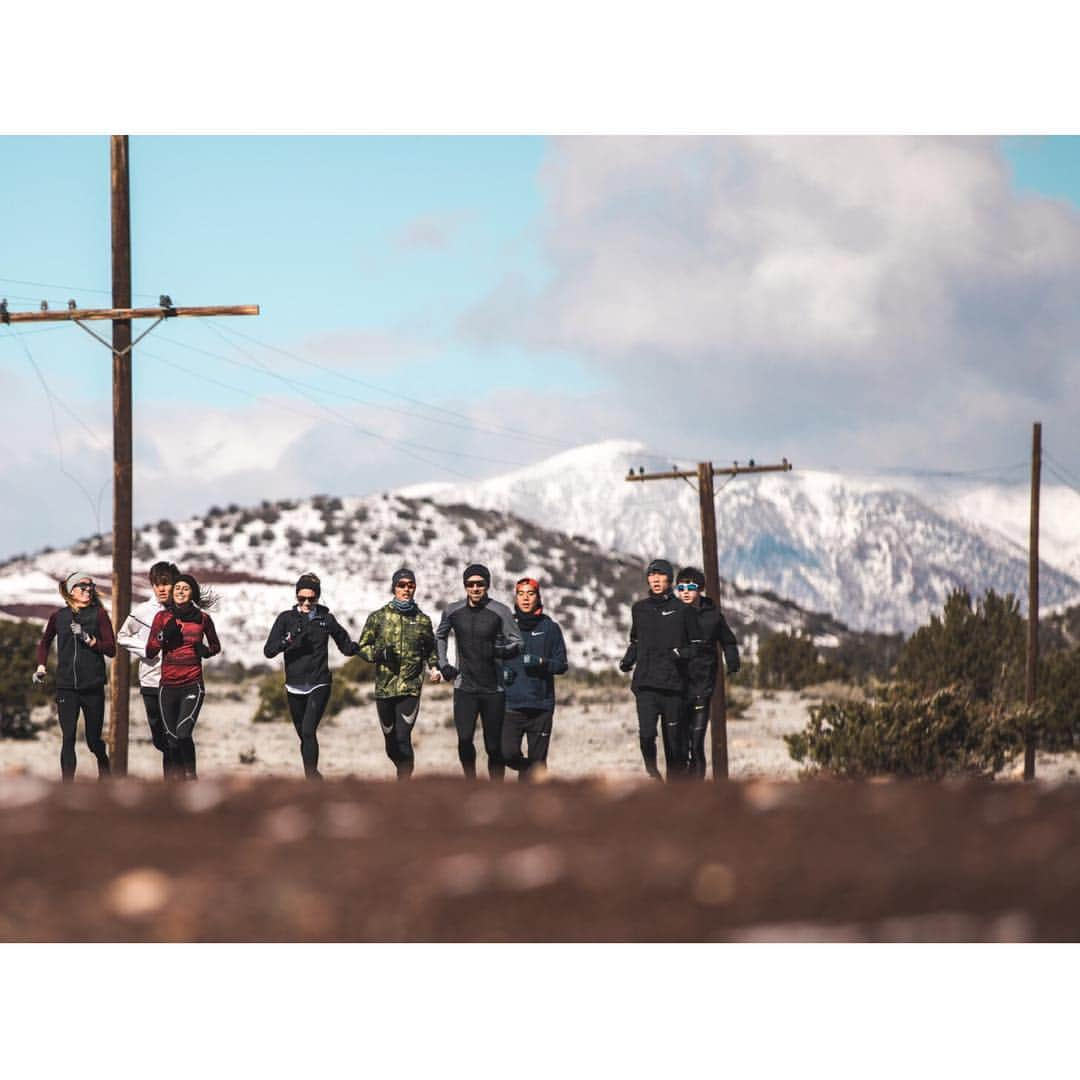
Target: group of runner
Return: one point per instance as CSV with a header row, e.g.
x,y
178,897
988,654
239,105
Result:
x,y
503,675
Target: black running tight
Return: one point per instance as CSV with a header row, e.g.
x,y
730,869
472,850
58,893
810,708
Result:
x,y
490,708
180,707
306,711
397,717
92,704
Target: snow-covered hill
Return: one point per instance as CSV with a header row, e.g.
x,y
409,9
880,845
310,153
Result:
x,y
875,555
252,558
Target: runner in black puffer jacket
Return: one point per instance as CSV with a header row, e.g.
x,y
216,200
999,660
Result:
x,y
661,633
703,666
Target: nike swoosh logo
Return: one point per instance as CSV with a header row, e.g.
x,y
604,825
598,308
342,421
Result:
x,y
537,633
667,612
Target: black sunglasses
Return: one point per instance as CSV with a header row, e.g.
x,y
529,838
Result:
x,y
475,584
305,599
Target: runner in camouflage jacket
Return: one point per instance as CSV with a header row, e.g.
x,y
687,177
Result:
x,y
399,640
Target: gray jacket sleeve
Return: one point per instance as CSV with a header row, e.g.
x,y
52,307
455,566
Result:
x,y
511,632
442,632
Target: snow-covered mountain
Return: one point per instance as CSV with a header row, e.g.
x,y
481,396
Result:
x,y
252,558
876,555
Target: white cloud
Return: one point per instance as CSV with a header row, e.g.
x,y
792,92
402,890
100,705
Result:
x,y
818,287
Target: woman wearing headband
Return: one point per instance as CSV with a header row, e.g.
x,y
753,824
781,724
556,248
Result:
x,y
303,634
84,637
185,636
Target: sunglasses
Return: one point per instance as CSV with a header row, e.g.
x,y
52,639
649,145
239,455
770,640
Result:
x,y
405,585
691,587
305,599
475,584
87,586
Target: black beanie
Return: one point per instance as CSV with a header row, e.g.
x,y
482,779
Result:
x,y
309,581
661,566
404,574
476,570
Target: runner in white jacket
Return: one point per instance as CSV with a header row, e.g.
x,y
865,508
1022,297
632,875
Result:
x,y
133,636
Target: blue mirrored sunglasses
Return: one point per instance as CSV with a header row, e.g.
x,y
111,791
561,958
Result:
x,y
691,587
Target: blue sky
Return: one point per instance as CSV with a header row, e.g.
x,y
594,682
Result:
x,y
536,294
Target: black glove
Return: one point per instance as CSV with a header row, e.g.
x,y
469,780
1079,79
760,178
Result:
x,y
293,635
731,659
509,675
630,659
170,635
504,649
448,672
385,654
532,662
688,651
202,650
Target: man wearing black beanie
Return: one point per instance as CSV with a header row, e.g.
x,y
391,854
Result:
x,y
485,635
399,641
661,633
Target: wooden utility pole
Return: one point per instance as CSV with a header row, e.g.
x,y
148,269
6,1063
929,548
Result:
x,y
121,315
710,556
1031,687
122,494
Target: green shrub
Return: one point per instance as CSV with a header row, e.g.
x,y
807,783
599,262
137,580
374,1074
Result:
x,y
979,646
903,733
18,640
273,705
790,661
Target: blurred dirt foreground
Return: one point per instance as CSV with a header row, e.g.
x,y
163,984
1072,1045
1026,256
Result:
x,y
609,860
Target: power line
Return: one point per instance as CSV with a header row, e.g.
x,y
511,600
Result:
x,y
65,288
306,389
1062,466
381,407
52,399
510,433
318,419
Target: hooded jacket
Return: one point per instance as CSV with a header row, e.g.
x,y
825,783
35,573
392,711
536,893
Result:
x,y
533,687
79,666
412,640
701,668
658,626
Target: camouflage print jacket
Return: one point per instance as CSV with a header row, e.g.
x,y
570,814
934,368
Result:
x,y
412,641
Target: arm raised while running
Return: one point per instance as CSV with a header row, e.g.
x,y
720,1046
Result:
x,y
345,644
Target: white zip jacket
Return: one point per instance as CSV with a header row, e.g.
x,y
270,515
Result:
x,y
134,635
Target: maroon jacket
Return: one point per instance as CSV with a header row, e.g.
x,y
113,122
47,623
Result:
x,y
181,664
79,666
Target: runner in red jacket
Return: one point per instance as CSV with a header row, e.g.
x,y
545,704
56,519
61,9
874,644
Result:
x,y
185,636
